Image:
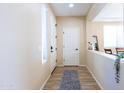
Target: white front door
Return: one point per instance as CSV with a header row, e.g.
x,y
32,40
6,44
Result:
x,y
53,44
71,39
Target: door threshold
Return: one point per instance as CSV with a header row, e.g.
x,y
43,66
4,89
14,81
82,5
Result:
x,y
71,65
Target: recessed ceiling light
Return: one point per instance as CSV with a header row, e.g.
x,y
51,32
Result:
x,y
71,5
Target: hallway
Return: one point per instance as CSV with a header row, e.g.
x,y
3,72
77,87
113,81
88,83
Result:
x,y
57,46
87,82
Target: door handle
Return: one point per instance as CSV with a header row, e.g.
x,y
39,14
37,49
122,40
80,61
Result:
x,y
76,49
52,49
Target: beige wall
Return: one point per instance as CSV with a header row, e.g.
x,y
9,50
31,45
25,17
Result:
x,y
20,48
96,28
70,21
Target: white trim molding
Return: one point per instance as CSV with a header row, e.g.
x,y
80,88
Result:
x,y
43,85
82,65
71,65
60,65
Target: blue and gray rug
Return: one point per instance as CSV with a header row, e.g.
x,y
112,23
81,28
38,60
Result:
x,y
70,81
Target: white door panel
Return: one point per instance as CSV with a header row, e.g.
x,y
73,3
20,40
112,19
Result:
x,y
53,44
71,39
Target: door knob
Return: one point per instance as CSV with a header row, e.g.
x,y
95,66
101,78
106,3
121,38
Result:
x,y
76,49
51,47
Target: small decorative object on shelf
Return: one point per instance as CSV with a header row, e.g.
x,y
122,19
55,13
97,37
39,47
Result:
x,y
95,41
89,46
117,67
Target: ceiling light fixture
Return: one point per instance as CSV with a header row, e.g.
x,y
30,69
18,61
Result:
x,y
71,5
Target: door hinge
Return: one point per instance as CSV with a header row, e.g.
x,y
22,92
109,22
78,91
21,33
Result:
x,y
55,25
56,48
56,36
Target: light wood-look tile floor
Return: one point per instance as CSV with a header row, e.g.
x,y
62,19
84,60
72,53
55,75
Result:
x,y
87,82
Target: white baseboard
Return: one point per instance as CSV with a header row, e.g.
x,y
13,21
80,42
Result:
x,y
45,82
60,65
82,65
95,78
70,65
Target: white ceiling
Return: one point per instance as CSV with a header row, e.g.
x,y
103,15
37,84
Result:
x,y
111,12
62,9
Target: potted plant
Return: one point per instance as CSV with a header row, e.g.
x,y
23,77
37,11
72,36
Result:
x,y
117,66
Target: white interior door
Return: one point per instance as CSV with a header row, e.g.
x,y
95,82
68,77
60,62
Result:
x,y
53,44
71,39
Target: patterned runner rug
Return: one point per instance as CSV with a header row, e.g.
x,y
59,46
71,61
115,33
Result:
x,y
70,80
